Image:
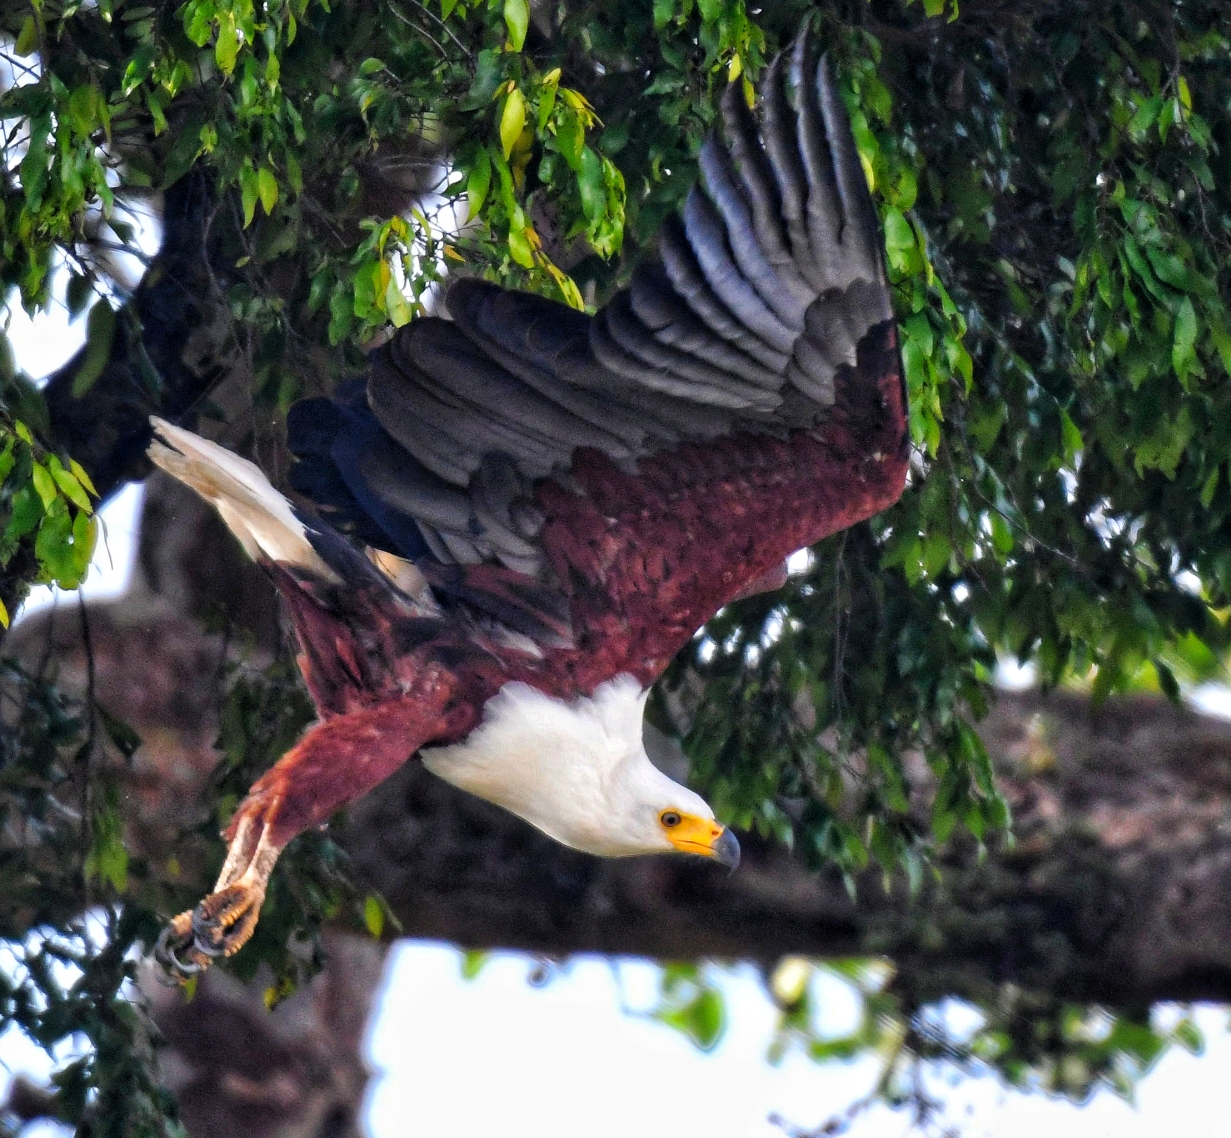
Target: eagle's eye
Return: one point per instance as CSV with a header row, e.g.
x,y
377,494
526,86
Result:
x,y
669,818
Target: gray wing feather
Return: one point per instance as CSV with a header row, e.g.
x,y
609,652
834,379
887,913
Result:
x,y
760,297
690,283
765,201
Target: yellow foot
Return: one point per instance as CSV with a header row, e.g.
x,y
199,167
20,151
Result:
x,y
219,926
222,924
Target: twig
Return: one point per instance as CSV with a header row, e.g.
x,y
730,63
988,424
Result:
x,y
443,27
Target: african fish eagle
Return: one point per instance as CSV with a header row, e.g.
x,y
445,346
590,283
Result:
x,y
553,503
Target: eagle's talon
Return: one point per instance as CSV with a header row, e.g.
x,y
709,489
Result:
x,y
212,948
222,923
173,940
203,926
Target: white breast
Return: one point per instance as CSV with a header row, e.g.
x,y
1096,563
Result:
x,y
576,770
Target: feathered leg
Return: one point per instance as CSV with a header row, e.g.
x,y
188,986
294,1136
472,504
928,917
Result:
x,y
334,763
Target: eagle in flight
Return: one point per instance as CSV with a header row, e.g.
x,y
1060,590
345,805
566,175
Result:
x,y
552,503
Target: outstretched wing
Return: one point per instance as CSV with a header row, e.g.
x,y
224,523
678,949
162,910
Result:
x,y
604,484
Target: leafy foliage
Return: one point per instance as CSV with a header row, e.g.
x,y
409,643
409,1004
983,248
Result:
x,y
72,951
46,512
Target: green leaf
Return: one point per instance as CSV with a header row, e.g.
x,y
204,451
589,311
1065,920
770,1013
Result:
x,y
72,489
570,136
100,331
937,549
396,306
1071,437
898,231
27,38
81,476
249,188
27,512
53,546
520,248
1170,269
590,185
1187,1034
1146,115
126,740
294,174
473,962
708,1019
512,120
517,20
478,182
1183,348
919,328
1208,488
1185,96
267,189
1002,533
547,97
914,363
44,485
226,46
1167,681
373,916
78,294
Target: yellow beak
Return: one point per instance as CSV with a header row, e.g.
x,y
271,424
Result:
x,y
706,838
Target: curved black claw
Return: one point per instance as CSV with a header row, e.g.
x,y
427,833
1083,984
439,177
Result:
x,y
170,943
208,936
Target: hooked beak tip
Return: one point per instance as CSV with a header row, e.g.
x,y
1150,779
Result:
x,y
726,851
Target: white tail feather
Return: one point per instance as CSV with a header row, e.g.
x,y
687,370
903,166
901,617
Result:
x,y
252,509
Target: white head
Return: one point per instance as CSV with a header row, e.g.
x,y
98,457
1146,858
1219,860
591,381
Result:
x,y
579,772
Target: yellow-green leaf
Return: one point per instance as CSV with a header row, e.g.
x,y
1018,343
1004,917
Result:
x,y
267,189
898,233
472,963
373,916
520,248
44,484
517,20
73,490
396,305
26,39
547,97
512,120
226,48
81,476
249,191
4,616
